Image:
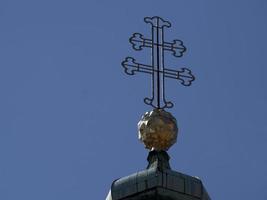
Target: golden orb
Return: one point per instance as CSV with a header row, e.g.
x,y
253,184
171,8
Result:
x,y
158,130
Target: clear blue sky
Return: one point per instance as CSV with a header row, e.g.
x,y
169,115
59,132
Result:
x,y
68,113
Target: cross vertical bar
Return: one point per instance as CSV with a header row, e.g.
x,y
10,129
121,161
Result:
x,y
156,62
167,104
159,63
157,99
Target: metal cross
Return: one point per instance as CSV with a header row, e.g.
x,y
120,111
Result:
x,y
157,69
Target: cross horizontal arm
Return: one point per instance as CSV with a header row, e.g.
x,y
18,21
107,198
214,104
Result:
x,y
131,67
138,42
184,75
176,47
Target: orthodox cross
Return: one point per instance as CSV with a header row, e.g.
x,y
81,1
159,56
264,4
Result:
x,y
157,69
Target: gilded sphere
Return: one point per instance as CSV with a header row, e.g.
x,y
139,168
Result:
x,y
158,130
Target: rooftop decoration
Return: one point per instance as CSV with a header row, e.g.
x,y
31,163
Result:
x,y
157,128
157,69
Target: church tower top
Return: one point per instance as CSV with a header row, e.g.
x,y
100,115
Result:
x,y
157,128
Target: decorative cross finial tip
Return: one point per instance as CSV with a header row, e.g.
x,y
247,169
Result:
x,y
157,69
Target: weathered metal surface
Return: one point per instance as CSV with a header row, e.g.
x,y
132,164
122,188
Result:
x,y
158,181
158,130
